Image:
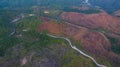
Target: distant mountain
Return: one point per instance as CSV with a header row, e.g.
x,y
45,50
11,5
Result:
x,y
17,3
108,5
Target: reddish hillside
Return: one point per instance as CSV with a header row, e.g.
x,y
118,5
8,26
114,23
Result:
x,y
94,21
88,38
51,27
93,42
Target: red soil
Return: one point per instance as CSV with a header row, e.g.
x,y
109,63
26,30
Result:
x,y
93,21
51,27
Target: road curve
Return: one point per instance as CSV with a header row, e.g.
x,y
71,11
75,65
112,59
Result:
x,y
14,21
75,48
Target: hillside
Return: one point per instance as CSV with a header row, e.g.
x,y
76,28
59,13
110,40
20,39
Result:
x,y
93,21
93,42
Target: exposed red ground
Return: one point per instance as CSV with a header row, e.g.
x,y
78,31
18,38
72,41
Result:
x,y
93,21
51,27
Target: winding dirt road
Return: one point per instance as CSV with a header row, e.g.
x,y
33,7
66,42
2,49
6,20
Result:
x,y
75,48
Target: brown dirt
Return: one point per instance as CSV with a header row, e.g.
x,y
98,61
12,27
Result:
x,y
93,21
51,27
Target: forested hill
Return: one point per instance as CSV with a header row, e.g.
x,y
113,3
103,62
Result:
x,y
108,5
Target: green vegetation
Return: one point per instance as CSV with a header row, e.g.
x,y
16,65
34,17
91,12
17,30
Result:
x,y
5,29
37,40
51,13
115,48
30,37
5,17
27,36
4,32
29,23
101,30
77,43
89,11
104,62
7,43
71,59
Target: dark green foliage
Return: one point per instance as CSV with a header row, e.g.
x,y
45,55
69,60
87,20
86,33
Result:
x,y
6,16
7,43
115,47
90,11
112,40
17,3
4,31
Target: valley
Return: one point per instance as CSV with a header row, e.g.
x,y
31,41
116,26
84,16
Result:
x,y
42,34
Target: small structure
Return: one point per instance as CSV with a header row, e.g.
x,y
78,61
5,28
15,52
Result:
x,y
19,35
23,61
86,2
46,12
31,15
25,30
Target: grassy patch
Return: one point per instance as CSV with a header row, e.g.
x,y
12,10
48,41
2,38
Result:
x,y
34,39
71,59
29,23
52,13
